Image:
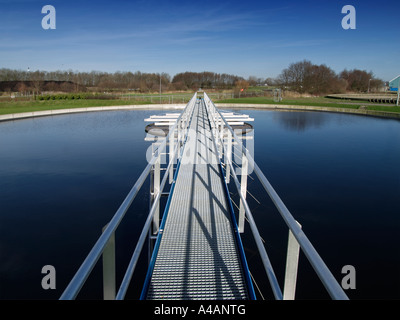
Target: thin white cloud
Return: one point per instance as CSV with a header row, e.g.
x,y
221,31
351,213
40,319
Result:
x,y
298,43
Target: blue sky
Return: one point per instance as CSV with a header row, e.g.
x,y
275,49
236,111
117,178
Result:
x,y
246,38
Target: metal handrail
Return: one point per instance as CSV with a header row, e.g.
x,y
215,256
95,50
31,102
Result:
x,y
257,237
88,264
138,249
136,254
324,274
244,261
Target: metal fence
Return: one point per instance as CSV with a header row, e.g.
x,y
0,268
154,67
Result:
x,y
297,238
171,98
177,134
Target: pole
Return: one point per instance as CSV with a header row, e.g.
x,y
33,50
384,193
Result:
x,y
109,268
398,92
292,264
243,191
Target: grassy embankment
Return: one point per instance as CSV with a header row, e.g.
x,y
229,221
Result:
x,y
54,102
9,106
317,102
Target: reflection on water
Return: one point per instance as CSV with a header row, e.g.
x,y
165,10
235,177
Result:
x,y
63,177
301,121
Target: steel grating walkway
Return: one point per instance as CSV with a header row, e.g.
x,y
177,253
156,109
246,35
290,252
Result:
x,y
197,255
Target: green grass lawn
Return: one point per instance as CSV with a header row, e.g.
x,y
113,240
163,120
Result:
x,y
318,102
7,107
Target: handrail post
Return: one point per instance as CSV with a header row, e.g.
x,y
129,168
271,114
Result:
x,y
109,268
221,140
156,191
243,190
228,157
171,154
292,263
180,134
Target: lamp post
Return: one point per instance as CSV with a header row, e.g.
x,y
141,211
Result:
x,y
29,79
369,84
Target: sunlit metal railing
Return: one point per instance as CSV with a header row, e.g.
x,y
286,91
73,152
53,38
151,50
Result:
x,y
176,137
297,238
179,129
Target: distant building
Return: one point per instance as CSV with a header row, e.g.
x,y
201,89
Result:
x,y
394,83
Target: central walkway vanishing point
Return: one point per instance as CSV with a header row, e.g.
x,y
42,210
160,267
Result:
x,y
198,253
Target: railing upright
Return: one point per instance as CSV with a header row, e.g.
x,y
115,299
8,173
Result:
x,y
109,287
292,263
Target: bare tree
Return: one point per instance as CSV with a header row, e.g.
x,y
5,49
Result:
x,y
37,82
360,80
294,76
315,79
195,80
253,81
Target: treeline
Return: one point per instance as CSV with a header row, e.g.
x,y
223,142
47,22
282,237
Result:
x,y
205,80
305,77
101,81
138,81
36,87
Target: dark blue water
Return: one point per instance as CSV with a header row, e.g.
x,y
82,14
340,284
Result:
x,y
62,178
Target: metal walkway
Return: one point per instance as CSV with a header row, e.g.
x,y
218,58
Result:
x,y
197,255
